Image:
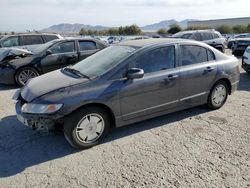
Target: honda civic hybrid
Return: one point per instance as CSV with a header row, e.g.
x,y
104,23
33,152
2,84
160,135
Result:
x,y
126,83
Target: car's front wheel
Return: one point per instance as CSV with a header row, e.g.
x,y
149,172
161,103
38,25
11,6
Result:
x,y
23,75
218,95
86,127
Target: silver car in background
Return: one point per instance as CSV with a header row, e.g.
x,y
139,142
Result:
x,y
28,41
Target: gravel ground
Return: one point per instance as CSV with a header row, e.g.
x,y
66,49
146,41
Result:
x,y
191,148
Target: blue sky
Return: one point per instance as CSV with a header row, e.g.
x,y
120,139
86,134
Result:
x,y
19,15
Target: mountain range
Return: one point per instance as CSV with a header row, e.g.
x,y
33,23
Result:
x,y
75,28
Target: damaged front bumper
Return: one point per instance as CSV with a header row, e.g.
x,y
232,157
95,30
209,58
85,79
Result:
x,y
43,123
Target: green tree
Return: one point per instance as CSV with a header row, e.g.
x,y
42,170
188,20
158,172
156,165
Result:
x,y
240,29
83,31
134,30
197,28
174,29
162,31
225,29
248,28
113,31
121,30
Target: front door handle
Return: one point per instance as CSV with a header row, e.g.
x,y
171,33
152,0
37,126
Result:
x,y
72,56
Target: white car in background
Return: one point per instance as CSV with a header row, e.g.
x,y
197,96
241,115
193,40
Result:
x,y
29,41
246,60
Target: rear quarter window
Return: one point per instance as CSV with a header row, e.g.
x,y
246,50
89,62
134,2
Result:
x,y
48,38
210,55
215,35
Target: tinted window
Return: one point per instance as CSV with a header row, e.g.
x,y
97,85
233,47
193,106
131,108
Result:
x,y
206,36
11,41
63,47
48,38
32,39
158,59
193,54
87,45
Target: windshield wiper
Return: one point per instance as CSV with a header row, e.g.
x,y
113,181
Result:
x,y
76,72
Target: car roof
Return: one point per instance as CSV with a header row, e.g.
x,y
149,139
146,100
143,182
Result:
x,y
152,41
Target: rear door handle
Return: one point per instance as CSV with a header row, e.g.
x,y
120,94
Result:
x,y
209,69
172,77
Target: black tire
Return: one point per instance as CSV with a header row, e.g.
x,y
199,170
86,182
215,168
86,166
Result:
x,y
211,103
34,73
73,120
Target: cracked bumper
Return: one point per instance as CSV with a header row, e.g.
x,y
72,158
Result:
x,y
39,122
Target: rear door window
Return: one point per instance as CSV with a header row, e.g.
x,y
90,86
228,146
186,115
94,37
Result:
x,y
156,60
32,39
191,54
197,36
65,47
10,41
87,45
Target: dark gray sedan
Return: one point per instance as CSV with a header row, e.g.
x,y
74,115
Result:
x,y
126,83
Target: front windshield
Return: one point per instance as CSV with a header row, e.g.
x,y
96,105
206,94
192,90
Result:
x,y
44,46
102,61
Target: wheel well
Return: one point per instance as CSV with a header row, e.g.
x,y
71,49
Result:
x,y
103,106
228,84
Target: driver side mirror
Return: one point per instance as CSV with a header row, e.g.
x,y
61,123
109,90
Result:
x,y
135,73
48,52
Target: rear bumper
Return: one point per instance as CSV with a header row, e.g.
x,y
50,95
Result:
x,y
7,75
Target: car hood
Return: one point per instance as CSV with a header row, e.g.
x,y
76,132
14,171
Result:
x,y
47,83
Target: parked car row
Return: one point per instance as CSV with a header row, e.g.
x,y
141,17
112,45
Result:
x,y
125,83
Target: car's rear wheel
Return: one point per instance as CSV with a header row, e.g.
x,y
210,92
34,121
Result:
x,y
218,95
86,127
23,75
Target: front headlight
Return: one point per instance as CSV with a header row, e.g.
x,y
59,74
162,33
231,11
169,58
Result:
x,y
40,108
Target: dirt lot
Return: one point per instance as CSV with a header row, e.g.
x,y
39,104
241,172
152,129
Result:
x,y
191,148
